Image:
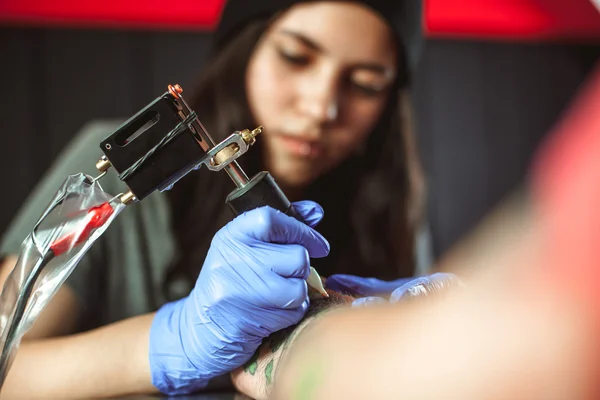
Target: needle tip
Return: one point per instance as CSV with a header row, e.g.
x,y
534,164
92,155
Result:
x,y
314,281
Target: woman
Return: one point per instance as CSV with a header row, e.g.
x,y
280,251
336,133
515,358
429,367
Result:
x,y
329,98
325,80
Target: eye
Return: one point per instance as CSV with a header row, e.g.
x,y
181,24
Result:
x,y
367,90
292,58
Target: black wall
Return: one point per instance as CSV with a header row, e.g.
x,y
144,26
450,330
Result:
x,y
482,108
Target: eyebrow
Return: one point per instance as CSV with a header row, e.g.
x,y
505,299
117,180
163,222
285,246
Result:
x,y
373,67
305,40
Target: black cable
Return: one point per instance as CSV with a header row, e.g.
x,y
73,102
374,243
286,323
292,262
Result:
x,y
168,138
25,294
20,307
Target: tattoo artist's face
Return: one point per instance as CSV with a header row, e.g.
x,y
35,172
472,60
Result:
x,y
318,82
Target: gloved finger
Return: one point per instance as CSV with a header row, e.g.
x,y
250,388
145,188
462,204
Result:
x,y
288,260
368,301
425,286
290,316
283,293
361,286
311,212
258,322
266,224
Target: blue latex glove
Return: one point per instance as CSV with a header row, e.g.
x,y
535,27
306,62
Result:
x,y
359,286
413,287
252,283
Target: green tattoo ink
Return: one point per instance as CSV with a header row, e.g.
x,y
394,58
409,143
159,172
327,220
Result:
x,y
252,364
269,372
308,382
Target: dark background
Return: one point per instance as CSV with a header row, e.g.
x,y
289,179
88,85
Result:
x,y
482,107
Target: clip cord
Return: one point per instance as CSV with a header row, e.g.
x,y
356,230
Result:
x,y
23,299
97,216
19,312
172,135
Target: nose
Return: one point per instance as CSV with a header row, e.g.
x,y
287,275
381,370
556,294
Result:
x,y
319,97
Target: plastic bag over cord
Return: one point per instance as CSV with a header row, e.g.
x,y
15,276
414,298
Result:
x,y
78,214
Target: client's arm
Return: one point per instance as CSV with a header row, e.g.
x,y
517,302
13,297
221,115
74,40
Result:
x,y
259,376
510,334
256,377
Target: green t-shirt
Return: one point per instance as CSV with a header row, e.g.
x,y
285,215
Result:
x,y
122,273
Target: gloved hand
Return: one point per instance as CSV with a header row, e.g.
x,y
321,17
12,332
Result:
x,y
360,286
413,287
252,283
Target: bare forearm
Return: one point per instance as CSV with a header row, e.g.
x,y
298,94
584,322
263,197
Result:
x,y
108,361
457,349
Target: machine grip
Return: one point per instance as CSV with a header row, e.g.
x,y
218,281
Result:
x,y
260,191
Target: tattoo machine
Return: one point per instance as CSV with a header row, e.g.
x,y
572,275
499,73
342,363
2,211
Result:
x,y
151,151
148,160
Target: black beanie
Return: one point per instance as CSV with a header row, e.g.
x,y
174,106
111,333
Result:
x,y
404,16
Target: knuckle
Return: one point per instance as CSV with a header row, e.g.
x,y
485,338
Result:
x,y
300,293
263,219
294,262
293,297
298,259
305,305
299,253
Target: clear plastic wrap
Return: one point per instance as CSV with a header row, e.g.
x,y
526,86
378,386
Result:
x,y
77,215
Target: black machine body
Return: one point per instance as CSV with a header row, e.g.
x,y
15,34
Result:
x,y
165,141
144,132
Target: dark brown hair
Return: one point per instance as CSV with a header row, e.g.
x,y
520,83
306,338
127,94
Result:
x,y
371,200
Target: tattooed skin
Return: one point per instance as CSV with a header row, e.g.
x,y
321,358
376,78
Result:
x,y
252,364
275,347
269,372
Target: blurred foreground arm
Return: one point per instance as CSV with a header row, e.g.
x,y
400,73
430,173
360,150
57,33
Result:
x,y
510,333
527,324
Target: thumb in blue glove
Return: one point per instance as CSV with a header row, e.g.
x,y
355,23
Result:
x,y
252,284
360,286
368,301
425,286
311,212
413,288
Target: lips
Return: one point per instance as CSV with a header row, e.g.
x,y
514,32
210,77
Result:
x,y
300,147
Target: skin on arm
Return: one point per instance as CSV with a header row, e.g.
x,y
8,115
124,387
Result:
x,y
105,362
509,334
58,318
63,366
257,377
